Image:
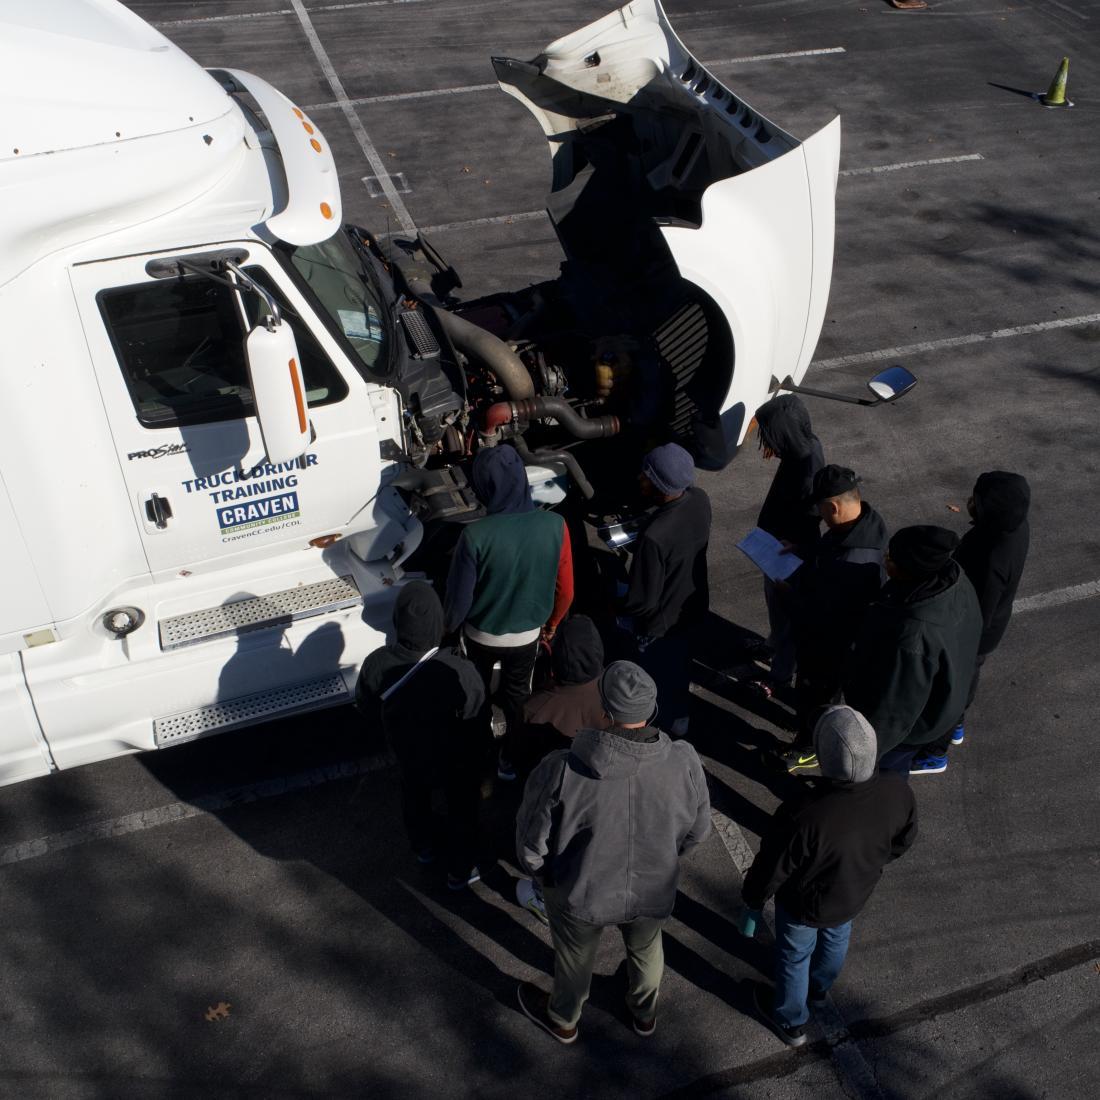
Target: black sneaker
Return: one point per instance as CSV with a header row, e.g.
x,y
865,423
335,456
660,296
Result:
x,y
644,1028
536,1007
506,771
763,997
460,882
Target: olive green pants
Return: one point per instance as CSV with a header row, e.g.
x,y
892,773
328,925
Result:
x,y
575,947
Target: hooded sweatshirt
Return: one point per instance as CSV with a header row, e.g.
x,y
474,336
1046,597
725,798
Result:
x,y
824,851
512,571
833,591
604,823
994,550
429,720
785,428
910,670
572,702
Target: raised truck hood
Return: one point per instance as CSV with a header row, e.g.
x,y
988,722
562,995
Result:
x,y
651,152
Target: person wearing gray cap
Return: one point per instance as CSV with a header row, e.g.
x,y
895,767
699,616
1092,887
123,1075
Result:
x,y
821,859
602,827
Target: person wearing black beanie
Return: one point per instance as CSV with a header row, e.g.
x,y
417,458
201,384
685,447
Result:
x,y
913,661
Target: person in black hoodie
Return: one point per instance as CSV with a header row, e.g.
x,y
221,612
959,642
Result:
x,y
668,593
426,700
831,593
785,432
992,554
822,858
910,669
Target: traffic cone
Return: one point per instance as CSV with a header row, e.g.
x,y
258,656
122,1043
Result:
x,y
1056,93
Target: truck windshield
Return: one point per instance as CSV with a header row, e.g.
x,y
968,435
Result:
x,y
334,274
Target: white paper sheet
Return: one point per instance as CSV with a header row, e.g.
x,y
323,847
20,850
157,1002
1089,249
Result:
x,y
766,553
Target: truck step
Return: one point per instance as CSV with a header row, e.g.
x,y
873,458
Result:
x,y
276,609
218,717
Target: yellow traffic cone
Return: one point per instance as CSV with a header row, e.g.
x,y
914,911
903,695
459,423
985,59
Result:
x,y
1056,93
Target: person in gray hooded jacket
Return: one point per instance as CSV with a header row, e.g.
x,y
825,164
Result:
x,y
602,827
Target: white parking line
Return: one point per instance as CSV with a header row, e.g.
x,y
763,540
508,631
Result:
x,y
397,204
237,17
903,350
1057,598
910,164
474,223
181,811
463,89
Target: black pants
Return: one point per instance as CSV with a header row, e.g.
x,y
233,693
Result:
x,y
461,789
517,663
940,746
668,661
818,686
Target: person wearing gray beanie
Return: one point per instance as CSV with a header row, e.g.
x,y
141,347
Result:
x,y
602,827
668,596
821,859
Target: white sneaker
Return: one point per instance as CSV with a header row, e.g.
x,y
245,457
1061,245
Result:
x,y
679,728
529,897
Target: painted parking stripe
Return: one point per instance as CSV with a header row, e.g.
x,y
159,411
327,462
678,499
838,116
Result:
x,y
910,164
396,203
464,89
181,811
903,350
1057,598
241,16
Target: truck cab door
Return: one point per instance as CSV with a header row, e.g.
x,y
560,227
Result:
x,y
169,354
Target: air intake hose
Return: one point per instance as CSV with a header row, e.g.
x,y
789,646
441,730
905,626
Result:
x,y
478,343
535,408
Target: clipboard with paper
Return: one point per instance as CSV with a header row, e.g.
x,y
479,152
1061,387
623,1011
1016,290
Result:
x,y
766,552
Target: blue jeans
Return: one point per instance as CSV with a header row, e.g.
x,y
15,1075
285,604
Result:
x,y
805,958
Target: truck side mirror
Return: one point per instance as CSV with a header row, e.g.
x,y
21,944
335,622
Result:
x,y
892,383
278,391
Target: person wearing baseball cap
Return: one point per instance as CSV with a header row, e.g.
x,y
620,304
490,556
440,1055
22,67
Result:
x,y
913,661
602,827
668,595
830,595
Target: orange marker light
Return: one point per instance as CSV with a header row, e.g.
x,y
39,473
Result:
x,y
308,129
298,400
299,113
326,211
316,145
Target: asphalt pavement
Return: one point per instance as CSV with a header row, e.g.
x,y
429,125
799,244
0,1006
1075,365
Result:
x,y
240,916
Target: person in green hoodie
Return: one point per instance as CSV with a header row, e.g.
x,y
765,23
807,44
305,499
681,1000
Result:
x,y
913,660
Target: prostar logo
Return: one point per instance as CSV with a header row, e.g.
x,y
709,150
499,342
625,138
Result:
x,y
163,451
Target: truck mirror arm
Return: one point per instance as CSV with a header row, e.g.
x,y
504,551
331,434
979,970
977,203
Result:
x,y
239,281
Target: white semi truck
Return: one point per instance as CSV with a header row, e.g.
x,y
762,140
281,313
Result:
x,y
229,420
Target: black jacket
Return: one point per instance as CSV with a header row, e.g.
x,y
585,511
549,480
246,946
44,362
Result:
x,y
910,669
825,849
786,513
430,720
668,576
833,590
994,550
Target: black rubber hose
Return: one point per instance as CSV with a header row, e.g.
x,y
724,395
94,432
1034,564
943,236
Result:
x,y
482,345
535,458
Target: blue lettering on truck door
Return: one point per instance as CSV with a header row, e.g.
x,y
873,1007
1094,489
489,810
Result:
x,y
258,513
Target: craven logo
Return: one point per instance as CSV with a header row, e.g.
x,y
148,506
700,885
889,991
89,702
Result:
x,y
163,451
258,513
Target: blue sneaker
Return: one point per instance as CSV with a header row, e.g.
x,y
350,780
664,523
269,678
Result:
x,y
928,765
958,735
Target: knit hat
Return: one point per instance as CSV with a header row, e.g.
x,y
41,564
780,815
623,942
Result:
x,y
833,481
846,745
628,692
670,468
922,551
